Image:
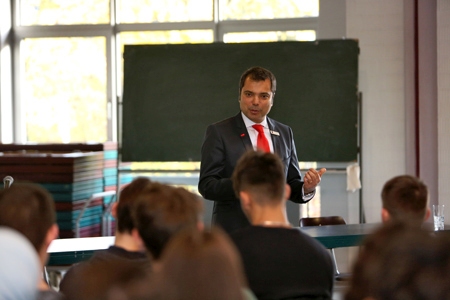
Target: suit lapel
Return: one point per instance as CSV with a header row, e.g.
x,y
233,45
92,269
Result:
x,y
275,136
241,130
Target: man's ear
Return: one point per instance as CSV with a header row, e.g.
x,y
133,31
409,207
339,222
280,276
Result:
x,y
385,215
114,209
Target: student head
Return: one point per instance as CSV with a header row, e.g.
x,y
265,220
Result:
x,y
259,176
161,211
400,261
29,209
121,209
200,265
405,197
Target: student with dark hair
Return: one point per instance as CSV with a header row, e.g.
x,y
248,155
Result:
x,y
405,197
280,262
161,211
126,248
199,265
400,261
29,209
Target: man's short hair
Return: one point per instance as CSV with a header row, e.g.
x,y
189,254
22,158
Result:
x,y
260,173
29,209
127,198
405,197
161,211
258,74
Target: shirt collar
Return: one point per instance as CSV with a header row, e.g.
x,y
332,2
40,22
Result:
x,y
249,123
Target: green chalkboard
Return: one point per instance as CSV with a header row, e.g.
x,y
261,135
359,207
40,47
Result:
x,y
173,92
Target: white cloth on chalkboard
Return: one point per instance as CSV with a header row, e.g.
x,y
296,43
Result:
x,y
353,180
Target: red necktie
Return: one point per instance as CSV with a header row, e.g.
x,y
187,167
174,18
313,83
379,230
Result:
x,y
261,143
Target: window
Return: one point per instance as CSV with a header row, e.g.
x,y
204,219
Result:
x,y
275,9
64,12
6,94
166,37
64,89
269,36
149,11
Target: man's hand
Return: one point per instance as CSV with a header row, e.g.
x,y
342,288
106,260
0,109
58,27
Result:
x,y
312,179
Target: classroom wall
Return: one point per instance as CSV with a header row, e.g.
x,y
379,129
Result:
x,y
386,79
380,31
427,96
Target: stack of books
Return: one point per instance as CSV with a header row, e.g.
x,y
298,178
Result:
x,y
73,174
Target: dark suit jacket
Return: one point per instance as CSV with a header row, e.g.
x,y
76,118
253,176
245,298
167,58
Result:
x,y
223,145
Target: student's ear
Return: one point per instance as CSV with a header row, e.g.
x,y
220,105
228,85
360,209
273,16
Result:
x,y
52,234
427,214
385,215
287,191
200,225
246,202
114,209
137,239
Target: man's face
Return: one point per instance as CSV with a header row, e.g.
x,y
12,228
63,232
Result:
x,y
256,99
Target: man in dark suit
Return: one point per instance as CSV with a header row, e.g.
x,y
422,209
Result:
x,y
226,141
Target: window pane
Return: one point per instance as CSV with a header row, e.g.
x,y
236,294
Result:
x,y
166,37
64,89
267,9
64,12
270,36
6,104
149,11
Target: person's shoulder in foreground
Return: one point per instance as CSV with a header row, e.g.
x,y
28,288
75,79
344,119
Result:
x,y
207,257
401,261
